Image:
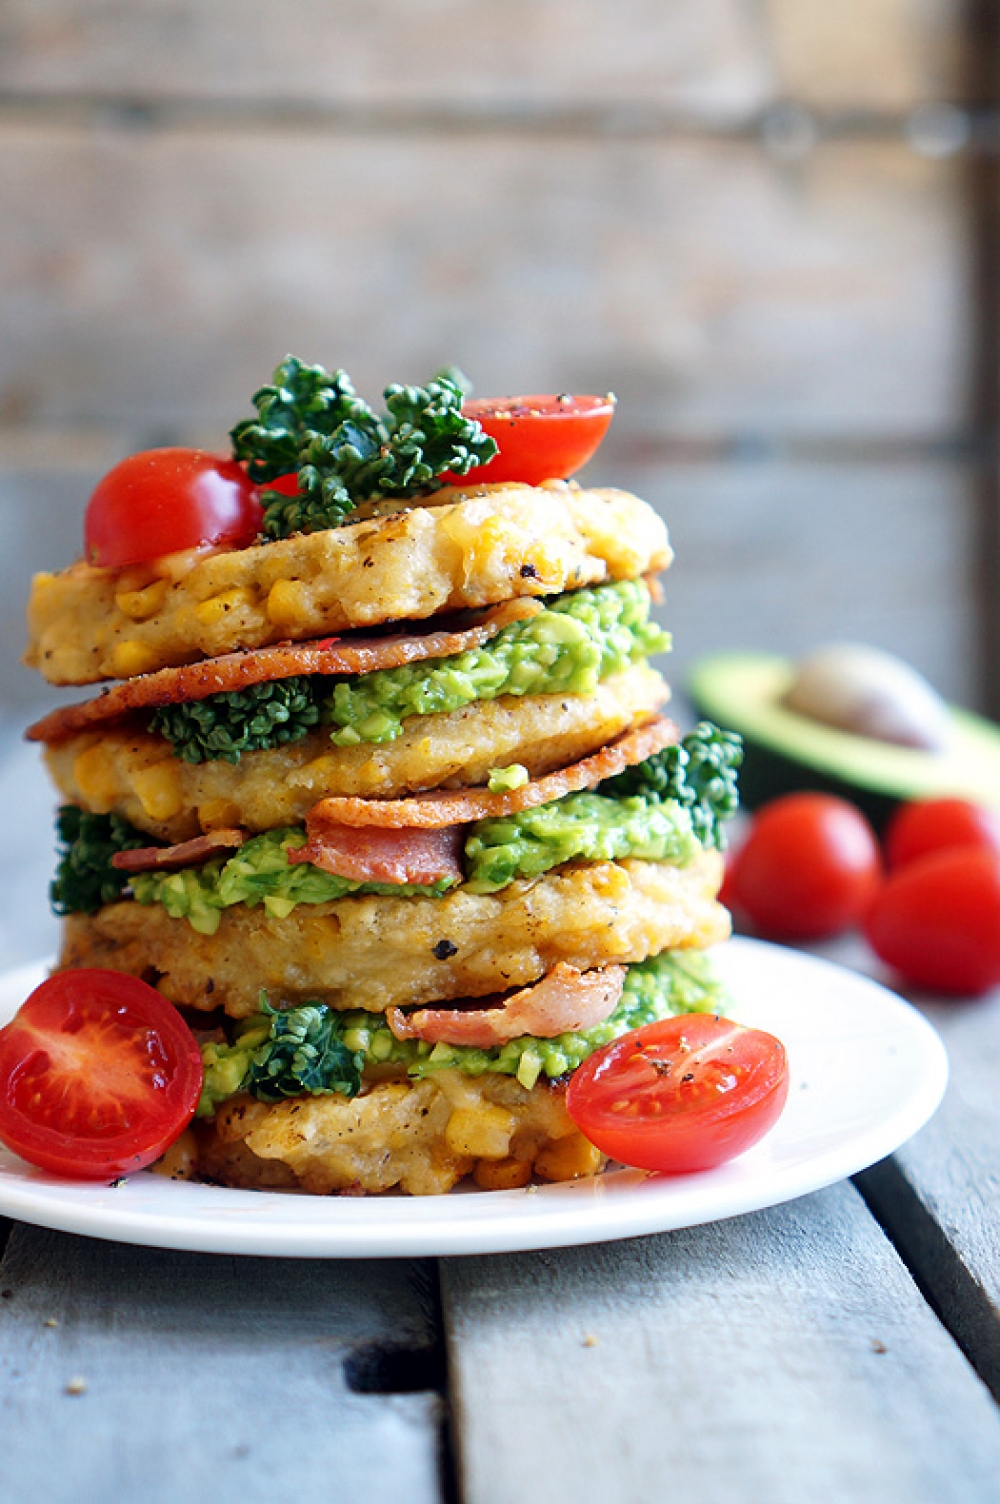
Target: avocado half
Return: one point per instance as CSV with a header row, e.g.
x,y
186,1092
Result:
x,y
785,750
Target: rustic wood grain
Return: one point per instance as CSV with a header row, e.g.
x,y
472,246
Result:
x,y
712,55
884,54
938,1196
152,280
717,56
773,556
782,1356
206,1377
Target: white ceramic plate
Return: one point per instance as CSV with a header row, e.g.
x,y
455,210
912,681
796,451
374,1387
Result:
x,y
866,1072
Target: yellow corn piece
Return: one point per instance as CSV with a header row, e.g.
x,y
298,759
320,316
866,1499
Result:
x,y
484,1132
130,658
502,1174
217,607
140,605
569,1159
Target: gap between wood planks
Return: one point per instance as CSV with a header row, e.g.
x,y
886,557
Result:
x,y
961,1305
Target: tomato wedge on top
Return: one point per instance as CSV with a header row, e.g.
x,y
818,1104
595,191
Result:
x,y
539,438
682,1094
164,500
99,1074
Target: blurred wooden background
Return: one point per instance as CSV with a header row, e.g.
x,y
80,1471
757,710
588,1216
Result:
x,y
765,223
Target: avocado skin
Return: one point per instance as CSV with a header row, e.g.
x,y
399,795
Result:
x,y
766,774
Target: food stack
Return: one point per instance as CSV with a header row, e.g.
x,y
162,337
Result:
x,y
380,793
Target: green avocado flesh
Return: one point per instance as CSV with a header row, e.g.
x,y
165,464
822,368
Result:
x,y
313,1050
578,827
784,750
577,640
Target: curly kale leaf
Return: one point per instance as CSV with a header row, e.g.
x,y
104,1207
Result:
x,y
343,452
700,773
299,402
305,1053
85,878
223,726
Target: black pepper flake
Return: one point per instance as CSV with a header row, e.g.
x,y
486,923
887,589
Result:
x,y
445,948
529,572
688,1077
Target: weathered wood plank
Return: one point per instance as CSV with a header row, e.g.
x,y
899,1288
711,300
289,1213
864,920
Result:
x,y
717,56
206,1377
780,557
882,53
783,1356
939,1195
152,280
711,55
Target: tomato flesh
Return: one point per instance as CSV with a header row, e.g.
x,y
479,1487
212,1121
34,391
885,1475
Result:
x,y
539,438
99,1074
164,500
925,825
680,1095
936,921
808,868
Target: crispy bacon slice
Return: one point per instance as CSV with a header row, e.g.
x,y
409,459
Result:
x,y
440,807
385,856
184,854
235,671
564,1000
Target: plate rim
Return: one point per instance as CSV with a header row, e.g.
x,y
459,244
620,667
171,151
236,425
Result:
x,y
620,1204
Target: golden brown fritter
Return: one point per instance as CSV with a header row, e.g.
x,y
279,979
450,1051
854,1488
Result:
x,y
422,1136
463,548
381,952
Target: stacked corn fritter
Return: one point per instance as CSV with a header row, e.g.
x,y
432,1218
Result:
x,y
385,801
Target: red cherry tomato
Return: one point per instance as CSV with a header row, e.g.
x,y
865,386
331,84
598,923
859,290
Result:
x,y
682,1094
540,438
915,830
808,868
98,1075
937,921
164,500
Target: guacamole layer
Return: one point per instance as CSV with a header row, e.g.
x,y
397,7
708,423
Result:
x,y
316,1050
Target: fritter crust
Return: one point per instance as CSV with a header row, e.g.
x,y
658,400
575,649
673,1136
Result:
x,y
377,953
422,1136
134,773
468,548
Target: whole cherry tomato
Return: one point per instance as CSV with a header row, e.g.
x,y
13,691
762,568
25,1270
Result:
x,y
808,868
98,1075
682,1094
164,500
936,921
925,825
539,438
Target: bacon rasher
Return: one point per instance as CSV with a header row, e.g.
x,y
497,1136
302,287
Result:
x,y
236,671
563,1001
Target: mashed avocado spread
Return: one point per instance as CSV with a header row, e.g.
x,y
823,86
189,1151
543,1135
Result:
x,y
578,639
579,827
315,1050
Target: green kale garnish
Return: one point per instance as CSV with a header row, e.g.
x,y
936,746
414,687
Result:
x,y
305,1053
699,772
223,726
313,422
85,878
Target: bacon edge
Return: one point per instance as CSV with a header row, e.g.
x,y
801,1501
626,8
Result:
x,y
565,1000
440,807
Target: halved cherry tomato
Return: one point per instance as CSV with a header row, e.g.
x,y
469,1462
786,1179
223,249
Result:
x,y
98,1075
540,438
682,1094
936,921
808,868
925,825
164,500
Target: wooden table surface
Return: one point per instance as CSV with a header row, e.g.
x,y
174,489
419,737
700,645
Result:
x,y
842,1347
